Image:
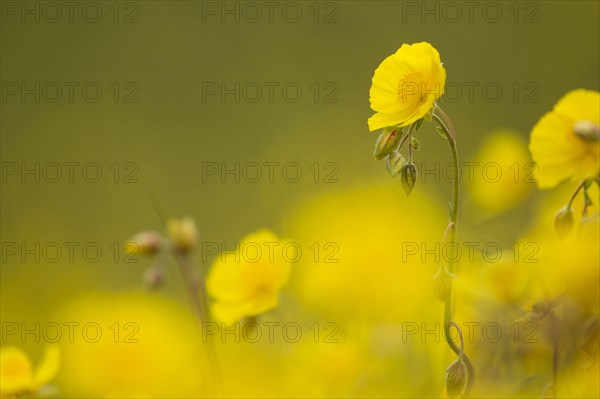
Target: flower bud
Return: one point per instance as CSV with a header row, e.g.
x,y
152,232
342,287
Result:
x,y
442,285
456,379
418,124
395,161
408,175
563,222
144,243
387,142
415,143
182,233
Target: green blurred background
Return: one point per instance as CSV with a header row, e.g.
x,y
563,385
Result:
x,y
171,132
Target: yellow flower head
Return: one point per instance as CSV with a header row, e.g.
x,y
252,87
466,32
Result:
x,y
248,282
406,85
565,142
17,376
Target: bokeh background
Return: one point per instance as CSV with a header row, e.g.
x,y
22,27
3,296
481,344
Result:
x,y
170,55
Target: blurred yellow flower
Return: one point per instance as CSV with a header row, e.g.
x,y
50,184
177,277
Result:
x,y
569,265
367,261
406,85
183,233
132,345
565,142
503,173
17,376
248,282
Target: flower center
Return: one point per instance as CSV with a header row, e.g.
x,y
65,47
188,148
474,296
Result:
x,y
411,87
587,130
260,282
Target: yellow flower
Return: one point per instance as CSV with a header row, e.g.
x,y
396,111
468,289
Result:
x,y
369,258
248,282
147,346
406,85
564,143
17,376
503,174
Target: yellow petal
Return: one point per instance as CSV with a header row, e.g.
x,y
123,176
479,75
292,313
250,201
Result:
x,y
580,104
48,367
248,281
15,371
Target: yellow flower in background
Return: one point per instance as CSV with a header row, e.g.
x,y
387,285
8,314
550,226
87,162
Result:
x,y
503,173
571,264
17,375
369,261
131,345
565,143
248,282
406,85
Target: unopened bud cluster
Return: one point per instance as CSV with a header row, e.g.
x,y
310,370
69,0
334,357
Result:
x,y
181,236
565,218
389,145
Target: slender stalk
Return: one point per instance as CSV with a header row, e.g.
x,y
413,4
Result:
x,y
554,334
195,290
581,185
194,286
197,296
446,125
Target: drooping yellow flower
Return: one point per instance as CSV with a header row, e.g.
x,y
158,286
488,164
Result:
x,y
248,282
565,142
17,375
406,85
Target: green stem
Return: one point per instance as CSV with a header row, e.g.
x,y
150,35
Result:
x,y
198,298
581,185
194,285
446,125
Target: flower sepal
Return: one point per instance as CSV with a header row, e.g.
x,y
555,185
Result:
x,y
387,142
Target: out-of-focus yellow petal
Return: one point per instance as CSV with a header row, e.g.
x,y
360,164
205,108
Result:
x,y
503,173
48,367
247,283
559,152
16,372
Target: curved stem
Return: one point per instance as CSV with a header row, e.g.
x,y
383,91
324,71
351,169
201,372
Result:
x,y
462,341
581,185
446,126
